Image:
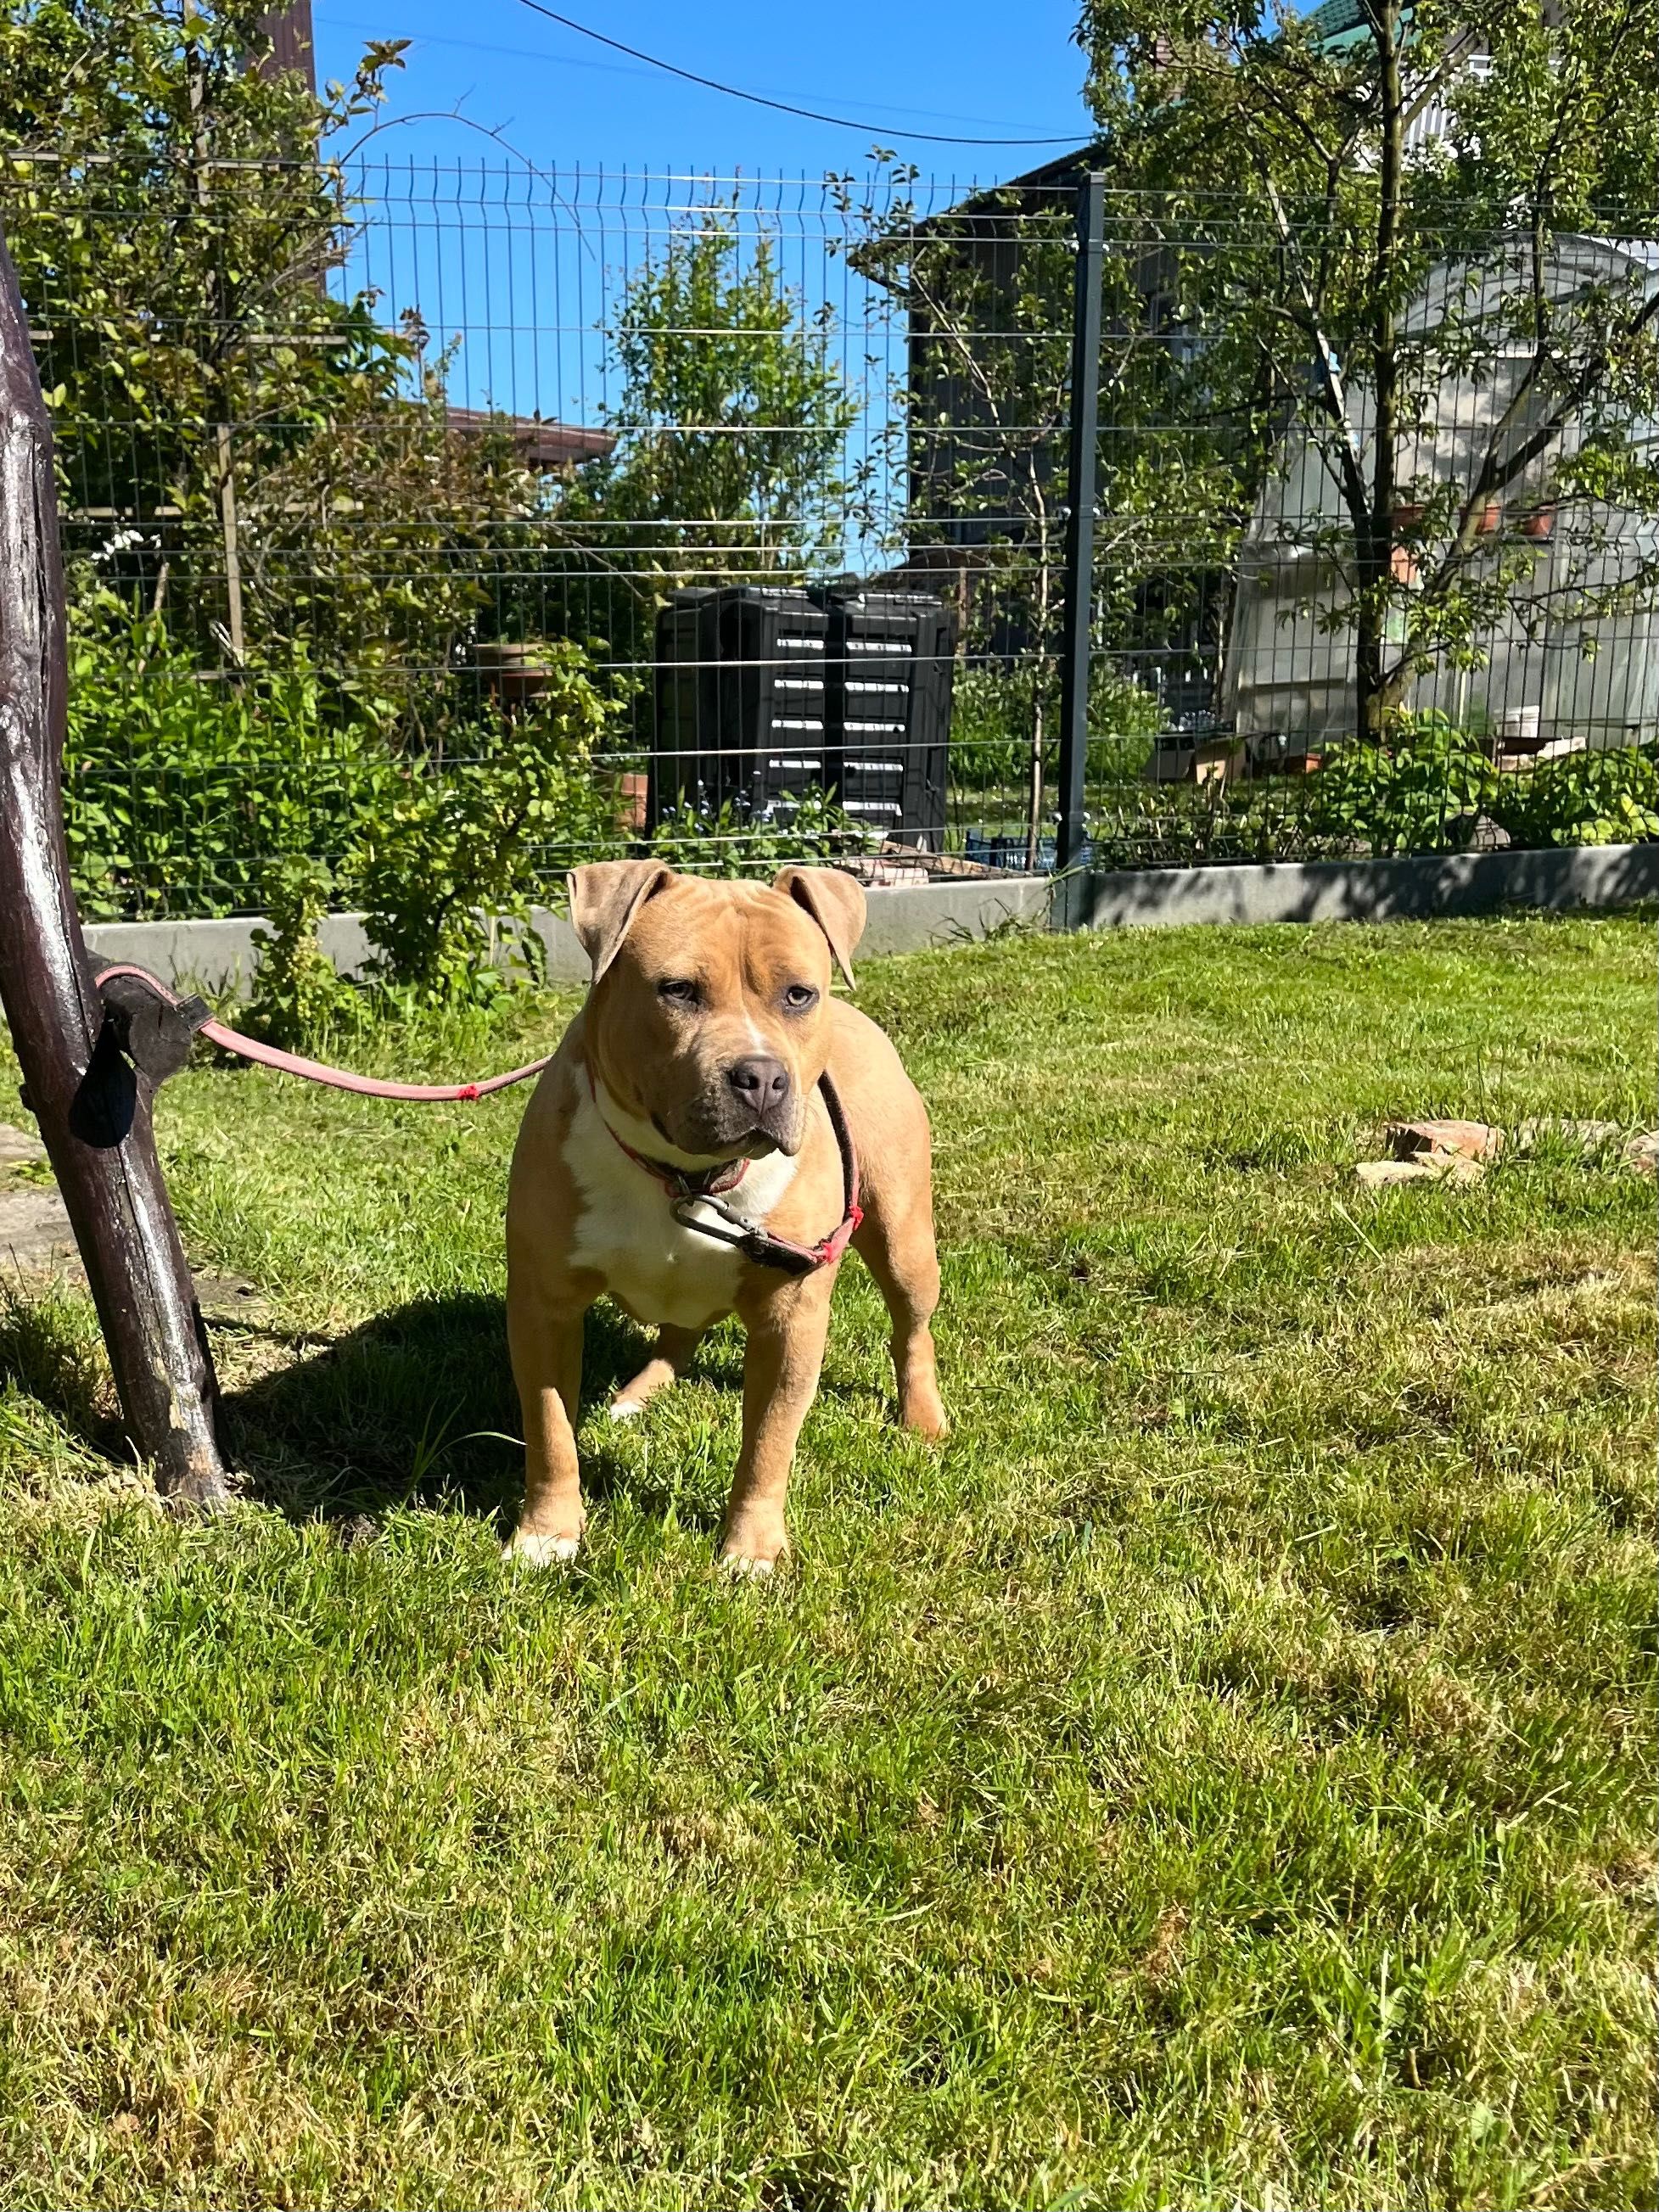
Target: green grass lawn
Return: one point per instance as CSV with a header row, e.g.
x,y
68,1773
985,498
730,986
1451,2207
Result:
x,y
1220,1775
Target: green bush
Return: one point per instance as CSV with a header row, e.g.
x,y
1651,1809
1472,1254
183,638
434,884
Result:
x,y
1421,792
460,845
736,843
278,788
179,792
299,995
1609,798
1425,792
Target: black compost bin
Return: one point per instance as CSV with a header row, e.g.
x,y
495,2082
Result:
x,y
762,694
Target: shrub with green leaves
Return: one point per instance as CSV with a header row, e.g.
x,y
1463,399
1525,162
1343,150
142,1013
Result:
x,y
733,842
1423,792
460,845
1605,798
298,995
180,789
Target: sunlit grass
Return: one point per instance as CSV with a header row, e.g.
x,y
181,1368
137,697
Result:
x,y
1221,1775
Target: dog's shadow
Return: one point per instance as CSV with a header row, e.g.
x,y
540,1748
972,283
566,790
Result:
x,y
418,1405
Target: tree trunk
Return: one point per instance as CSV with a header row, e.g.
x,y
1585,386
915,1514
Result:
x,y
92,1107
1034,790
1369,682
1378,696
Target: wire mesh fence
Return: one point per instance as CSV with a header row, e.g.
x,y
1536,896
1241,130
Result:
x,y
421,510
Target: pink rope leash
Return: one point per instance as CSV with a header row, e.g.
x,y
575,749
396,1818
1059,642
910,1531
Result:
x,y
755,1243
314,1071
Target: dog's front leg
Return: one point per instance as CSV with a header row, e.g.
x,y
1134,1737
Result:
x,y
787,1330
546,1344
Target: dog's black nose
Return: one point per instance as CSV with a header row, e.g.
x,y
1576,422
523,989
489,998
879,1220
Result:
x,y
762,1085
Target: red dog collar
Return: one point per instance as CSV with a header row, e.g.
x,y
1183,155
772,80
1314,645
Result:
x,y
689,1188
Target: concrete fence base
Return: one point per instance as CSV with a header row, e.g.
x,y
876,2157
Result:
x,y
222,955
1374,891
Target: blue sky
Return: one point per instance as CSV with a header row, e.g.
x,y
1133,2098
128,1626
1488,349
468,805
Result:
x,y
982,68
518,273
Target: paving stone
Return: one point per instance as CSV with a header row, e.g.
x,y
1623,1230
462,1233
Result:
x,y
37,1241
17,1145
35,1236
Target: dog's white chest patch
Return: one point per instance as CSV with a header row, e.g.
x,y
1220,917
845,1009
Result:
x,y
661,1270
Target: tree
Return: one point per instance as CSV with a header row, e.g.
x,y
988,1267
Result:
x,y
1411,176
236,445
729,423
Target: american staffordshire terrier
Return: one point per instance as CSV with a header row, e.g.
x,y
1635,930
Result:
x,y
712,1131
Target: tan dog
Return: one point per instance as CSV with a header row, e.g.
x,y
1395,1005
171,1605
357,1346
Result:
x,y
697,1059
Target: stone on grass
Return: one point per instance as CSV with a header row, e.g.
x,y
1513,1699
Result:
x,y
1453,1151
1428,1167
36,1240
229,1298
1464,1140
35,1236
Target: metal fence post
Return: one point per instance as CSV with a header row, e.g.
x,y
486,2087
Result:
x,y
1071,902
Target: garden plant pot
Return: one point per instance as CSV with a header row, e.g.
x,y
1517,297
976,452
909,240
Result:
x,y
631,800
515,670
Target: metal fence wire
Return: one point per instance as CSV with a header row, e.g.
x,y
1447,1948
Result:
x,y
742,510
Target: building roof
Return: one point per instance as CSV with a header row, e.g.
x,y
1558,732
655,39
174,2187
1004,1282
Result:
x,y
1336,19
540,445
1062,169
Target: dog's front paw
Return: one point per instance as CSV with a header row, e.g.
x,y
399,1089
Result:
x,y
753,1549
524,1548
921,1411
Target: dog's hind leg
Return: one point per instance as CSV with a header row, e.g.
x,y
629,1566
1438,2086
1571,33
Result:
x,y
668,1361
901,1256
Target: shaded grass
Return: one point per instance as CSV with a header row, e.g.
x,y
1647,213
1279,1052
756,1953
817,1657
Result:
x,y
1220,1775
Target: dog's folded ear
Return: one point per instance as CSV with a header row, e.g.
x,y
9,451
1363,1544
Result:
x,y
835,901
605,897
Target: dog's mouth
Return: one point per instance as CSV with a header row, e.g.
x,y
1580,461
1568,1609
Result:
x,y
713,1136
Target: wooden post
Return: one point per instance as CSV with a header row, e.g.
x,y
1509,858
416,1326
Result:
x,y
93,1107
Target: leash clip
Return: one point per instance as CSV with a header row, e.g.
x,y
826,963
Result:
x,y
755,1244
729,1228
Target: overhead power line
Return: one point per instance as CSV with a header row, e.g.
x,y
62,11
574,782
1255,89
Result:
x,y
785,106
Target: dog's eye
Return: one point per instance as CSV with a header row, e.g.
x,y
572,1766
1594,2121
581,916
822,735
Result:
x,y
799,997
678,990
